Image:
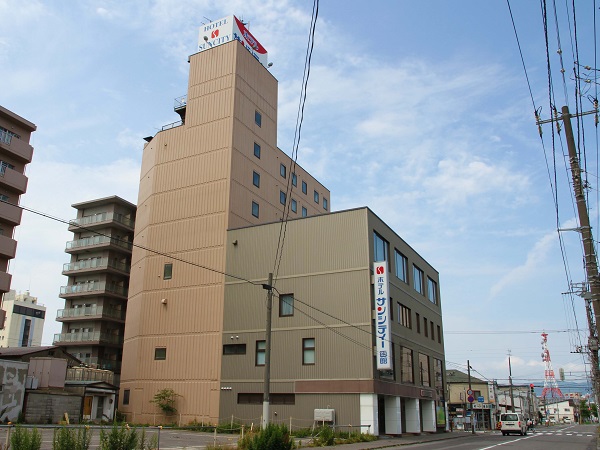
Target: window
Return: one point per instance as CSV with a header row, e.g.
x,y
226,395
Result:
x,y
401,266
286,305
406,365
418,279
126,394
257,150
256,179
404,316
380,248
438,381
168,271
439,334
255,209
282,197
418,320
258,118
425,327
26,331
234,349
4,198
316,197
282,170
294,179
250,398
294,206
324,203
424,369
261,347
432,290
304,212
304,187
308,351
160,353
432,333
282,399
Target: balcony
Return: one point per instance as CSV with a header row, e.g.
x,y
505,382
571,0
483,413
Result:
x,y
89,312
101,220
180,107
5,279
93,288
12,179
98,242
8,247
10,213
104,364
95,265
16,147
87,338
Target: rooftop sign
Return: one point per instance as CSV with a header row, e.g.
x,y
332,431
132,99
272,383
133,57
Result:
x,y
226,30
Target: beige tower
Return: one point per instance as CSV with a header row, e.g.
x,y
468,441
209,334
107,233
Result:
x,y
219,169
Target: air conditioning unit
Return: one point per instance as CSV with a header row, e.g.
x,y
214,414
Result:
x,y
325,415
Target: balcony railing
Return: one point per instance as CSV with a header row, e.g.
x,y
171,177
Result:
x,y
180,102
93,310
94,286
105,364
97,240
96,263
88,336
103,217
5,136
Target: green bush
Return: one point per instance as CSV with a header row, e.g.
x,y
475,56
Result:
x,y
71,438
274,437
119,438
324,437
22,439
120,417
147,444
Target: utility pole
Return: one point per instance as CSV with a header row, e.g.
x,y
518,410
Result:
x,y
471,403
267,384
590,258
512,398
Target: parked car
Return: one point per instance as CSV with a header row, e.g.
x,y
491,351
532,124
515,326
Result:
x,y
513,423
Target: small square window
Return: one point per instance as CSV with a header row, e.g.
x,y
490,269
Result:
x,y
294,179
324,203
255,209
257,150
304,187
282,170
258,118
304,212
168,271
256,179
160,353
294,206
308,351
261,348
282,197
126,394
316,196
286,305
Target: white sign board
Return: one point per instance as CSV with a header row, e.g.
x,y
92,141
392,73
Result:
x,y
383,335
226,30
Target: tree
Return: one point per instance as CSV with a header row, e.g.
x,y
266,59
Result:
x,y
165,400
584,410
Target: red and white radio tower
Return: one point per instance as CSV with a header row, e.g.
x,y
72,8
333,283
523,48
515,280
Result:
x,y
550,386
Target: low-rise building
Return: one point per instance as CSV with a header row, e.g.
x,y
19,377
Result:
x,y
559,411
460,391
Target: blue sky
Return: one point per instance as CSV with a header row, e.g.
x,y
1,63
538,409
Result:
x,y
419,110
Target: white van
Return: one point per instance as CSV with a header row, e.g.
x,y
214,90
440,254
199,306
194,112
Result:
x,y
513,423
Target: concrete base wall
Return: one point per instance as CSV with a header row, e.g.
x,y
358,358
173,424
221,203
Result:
x,y
43,407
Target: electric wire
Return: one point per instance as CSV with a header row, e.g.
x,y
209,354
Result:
x,y
296,142
133,244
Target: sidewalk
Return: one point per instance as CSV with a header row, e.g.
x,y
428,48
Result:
x,y
387,442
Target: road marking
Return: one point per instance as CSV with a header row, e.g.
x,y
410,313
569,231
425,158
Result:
x,y
506,442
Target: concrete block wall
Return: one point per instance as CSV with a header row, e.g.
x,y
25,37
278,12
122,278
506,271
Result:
x,y
43,407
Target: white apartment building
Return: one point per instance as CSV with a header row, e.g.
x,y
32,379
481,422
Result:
x,y
24,320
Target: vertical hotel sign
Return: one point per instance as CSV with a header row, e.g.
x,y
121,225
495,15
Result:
x,y
382,327
226,30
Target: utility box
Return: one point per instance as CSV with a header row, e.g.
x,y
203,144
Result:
x,y
325,415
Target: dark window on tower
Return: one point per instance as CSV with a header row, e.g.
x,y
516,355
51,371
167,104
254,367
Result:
x,y
304,187
258,118
126,394
168,271
256,179
257,150
255,209
282,170
26,331
160,353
